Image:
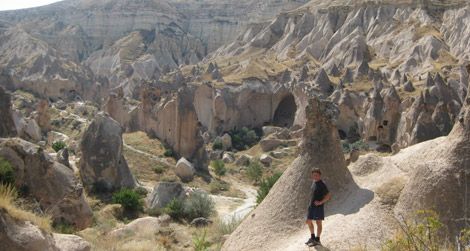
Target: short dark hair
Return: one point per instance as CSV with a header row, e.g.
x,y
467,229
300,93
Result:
x,y
316,170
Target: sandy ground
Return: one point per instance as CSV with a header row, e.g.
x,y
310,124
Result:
x,y
229,208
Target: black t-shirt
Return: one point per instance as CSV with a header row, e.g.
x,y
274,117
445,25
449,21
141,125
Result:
x,y
319,191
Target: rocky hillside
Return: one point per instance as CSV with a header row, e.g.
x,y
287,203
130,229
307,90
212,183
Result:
x,y
133,41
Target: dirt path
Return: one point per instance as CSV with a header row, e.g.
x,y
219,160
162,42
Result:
x,y
230,208
155,157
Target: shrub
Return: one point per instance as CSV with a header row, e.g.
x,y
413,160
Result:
x,y
141,191
175,209
169,153
217,145
254,171
198,205
265,186
358,145
219,167
243,138
129,199
64,228
58,145
159,169
225,227
421,232
7,174
217,186
200,242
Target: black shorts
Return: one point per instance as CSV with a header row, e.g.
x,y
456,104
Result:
x,y
316,213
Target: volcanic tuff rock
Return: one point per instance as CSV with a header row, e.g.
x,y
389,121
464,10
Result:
x,y
128,41
53,185
19,235
284,207
102,165
35,66
7,125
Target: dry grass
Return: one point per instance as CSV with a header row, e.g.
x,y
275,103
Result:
x,y
8,196
140,141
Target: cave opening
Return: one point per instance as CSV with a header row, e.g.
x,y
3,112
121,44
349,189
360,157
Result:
x,y
285,113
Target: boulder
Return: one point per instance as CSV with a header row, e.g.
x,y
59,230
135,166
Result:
x,y
270,143
185,170
278,154
226,141
52,184
54,136
69,242
216,154
63,157
243,160
42,115
30,130
266,160
228,157
163,193
267,130
7,125
102,164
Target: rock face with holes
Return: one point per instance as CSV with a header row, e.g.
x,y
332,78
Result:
x,y
102,165
283,210
53,185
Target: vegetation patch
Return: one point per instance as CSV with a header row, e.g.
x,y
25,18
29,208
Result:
x,y
243,138
8,195
58,145
218,166
266,185
7,174
130,200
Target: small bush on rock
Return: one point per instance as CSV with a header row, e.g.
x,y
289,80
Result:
x,y
219,167
129,199
7,175
58,145
266,185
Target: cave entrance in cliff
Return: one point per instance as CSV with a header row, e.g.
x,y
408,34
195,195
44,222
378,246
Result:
x,y
285,113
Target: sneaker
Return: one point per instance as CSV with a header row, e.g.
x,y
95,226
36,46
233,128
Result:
x,y
317,241
310,242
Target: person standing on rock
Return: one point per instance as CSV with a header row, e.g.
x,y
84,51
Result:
x,y
315,210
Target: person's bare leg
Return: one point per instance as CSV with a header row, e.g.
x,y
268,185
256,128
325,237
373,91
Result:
x,y
319,227
310,226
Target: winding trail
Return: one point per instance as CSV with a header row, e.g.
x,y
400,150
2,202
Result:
x,y
228,208
231,208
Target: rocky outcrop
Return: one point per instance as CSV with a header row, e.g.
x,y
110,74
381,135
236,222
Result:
x,y
447,163
283,210
163,193
7,125
53,185
184,170
20,235
102,165
36,67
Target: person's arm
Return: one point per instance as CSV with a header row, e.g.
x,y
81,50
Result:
x,y
325,199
